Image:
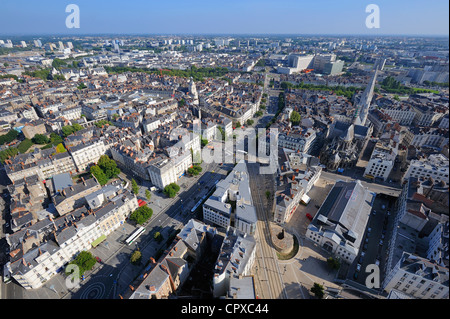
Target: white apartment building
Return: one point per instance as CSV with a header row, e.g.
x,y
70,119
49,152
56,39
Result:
x,y
426,116
162,173
418,277
298,142
438,244
435,166
234,189
87,153
382,160
168,169
403,116
426,137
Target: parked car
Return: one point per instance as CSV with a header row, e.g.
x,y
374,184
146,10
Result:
x,y
309,217
381,242
358,267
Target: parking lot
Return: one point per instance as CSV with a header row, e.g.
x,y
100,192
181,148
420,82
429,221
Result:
x,y
375,239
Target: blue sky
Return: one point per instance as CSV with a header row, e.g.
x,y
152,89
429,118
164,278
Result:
x,y
413,17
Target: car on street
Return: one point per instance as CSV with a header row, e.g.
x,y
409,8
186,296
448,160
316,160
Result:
x,y
381,242
358,267
309,217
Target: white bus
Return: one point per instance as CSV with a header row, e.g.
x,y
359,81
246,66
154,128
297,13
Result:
x,y
135,235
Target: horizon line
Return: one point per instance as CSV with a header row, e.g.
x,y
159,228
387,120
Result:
x,y
224,34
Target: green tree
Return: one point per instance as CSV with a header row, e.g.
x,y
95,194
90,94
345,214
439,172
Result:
x,y
108,166
67,130
333,263
204,141
60,148
58,63
134,187
268,195
55,139
85,261
171,190
317,290
141,215
9,137
7,153
136,257
99,174
250,122
194,170
158,236
148,194
40,139
295,118
77,127
24,145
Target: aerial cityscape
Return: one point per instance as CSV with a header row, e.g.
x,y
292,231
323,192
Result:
x,y
195,163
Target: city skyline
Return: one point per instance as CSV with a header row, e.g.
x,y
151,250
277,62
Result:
x,y
200,17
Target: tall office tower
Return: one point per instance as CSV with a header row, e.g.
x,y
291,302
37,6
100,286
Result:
x,y
70,45
37,43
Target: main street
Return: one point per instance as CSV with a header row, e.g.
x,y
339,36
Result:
x,y
269,284
118,272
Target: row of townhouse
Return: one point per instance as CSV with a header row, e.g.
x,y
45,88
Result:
x,y
164,277
417,266
301,140
435,166
87,152
44,163
44,248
